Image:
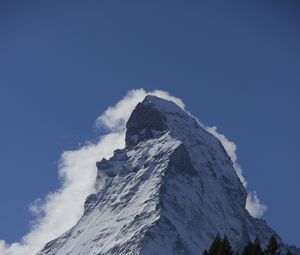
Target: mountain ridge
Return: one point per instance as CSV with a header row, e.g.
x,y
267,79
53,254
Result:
x,y
169,191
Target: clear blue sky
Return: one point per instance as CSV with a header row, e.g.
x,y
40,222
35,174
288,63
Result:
x,y
236,65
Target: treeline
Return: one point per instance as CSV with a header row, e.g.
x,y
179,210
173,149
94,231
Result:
x,y
222,246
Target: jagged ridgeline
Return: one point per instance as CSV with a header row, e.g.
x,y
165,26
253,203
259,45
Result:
x,y
168,192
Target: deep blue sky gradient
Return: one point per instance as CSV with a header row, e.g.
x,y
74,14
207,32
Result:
x,y
234,63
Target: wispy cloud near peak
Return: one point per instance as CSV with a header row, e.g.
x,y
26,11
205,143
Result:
x,y
77,172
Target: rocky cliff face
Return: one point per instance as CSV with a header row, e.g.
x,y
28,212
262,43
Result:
x,y
168,192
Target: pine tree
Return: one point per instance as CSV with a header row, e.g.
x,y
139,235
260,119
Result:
x,y
248,249
225,247
205,252
215,246
257,250
273,246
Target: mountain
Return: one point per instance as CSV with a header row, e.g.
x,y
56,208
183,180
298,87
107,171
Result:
x,y
169,191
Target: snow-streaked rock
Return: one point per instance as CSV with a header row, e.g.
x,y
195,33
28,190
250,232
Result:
x,y
170,191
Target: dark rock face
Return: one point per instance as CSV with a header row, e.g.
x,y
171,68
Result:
x,y
143,123
90,203
169,191
181,163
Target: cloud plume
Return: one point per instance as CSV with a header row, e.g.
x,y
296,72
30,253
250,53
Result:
x,y
77,171
253,204
115,117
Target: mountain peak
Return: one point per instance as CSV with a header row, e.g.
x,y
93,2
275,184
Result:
x,y
161,104
150,118
169,191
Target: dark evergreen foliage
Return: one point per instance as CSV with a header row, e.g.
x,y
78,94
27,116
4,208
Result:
x,y
256,249
205,252
273,246
248,249
223,247
215,246
220,247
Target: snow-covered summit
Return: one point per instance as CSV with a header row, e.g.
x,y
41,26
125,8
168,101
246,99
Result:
x,y
169,191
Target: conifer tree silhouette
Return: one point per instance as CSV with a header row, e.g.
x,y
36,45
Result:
x,y
273,246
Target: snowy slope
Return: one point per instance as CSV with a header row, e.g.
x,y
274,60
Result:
x,y
168,192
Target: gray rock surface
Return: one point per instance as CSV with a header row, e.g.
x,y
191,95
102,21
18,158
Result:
x,y
170,191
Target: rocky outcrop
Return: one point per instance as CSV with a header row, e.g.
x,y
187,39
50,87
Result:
x,y
169,191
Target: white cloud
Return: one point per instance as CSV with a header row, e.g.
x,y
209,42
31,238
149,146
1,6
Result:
x,y
254,206
115,117
230,148
77,171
